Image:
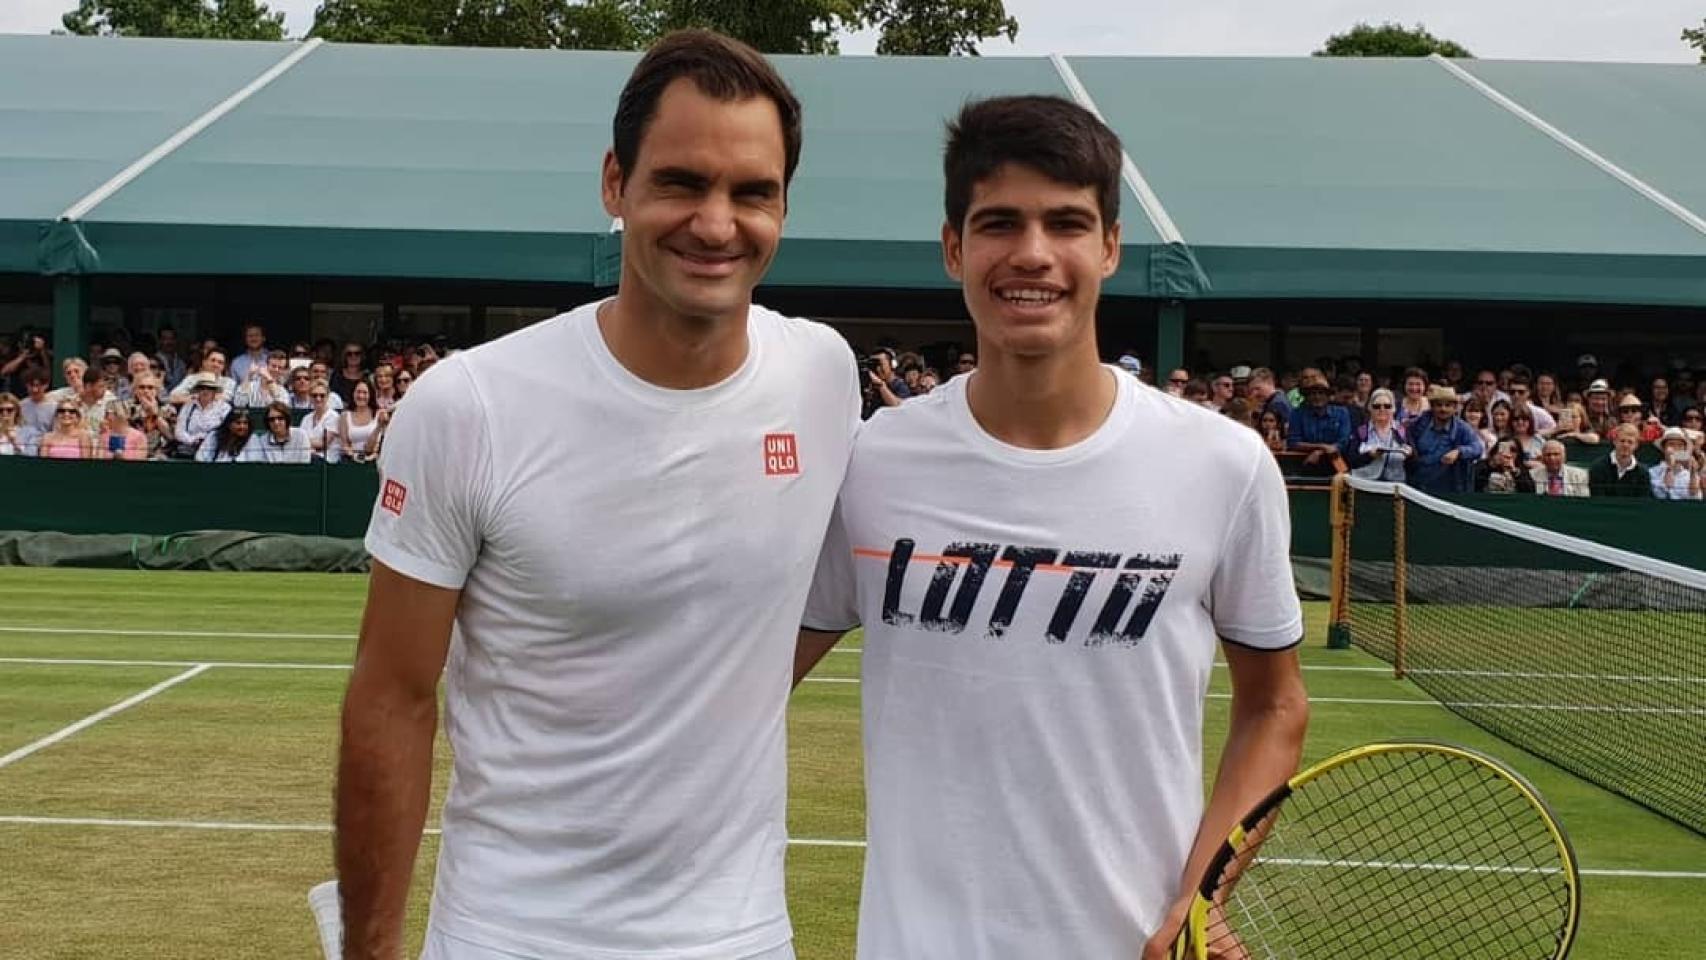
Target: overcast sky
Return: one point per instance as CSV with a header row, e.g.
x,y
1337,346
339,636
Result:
x,y
1631,30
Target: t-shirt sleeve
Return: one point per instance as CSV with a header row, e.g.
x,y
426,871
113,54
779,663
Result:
x,y
832,605
1253,599
435,471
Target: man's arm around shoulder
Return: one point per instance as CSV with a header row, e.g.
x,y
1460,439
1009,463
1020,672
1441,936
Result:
x,y
385,761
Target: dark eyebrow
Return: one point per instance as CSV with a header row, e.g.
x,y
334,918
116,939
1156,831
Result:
x,y
993,213
680,176
764,187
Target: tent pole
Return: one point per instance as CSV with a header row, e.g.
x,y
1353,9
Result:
x,y
1169,338
70,320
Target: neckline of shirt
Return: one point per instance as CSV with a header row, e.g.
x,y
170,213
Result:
x,y
668,398
1105,434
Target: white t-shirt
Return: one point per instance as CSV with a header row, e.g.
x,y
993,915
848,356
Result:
x,y
633,563
1033,711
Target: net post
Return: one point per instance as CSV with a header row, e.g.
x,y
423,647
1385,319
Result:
x,y
1400,577
1343,501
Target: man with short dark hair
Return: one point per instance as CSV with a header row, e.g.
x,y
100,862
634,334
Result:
x,y
1618,473
264,385
1177,379
1265,396
1522,395
254,355
966,363
1029,634
166,351
623,570
1446,447
1221,391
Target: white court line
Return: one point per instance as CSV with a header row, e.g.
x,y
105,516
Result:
x,y
95,718
240,664
1365,701
848,681
16,820
178,634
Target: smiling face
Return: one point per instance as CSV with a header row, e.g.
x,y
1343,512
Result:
x,y
702,207
1031,256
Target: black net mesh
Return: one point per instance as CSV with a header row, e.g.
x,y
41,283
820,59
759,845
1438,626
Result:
x,y
1407,853
1598,667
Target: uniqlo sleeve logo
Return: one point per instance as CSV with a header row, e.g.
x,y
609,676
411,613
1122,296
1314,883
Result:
x,y
781,456
393,496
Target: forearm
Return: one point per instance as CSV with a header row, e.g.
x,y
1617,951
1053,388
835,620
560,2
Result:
x,y
384,783
1263,746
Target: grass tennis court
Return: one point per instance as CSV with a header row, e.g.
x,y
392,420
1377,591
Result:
x,y
192,823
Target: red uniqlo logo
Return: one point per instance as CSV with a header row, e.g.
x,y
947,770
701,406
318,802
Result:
x,y
781,457
393,497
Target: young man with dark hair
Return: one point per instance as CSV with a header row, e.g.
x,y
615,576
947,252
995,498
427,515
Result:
x,y
625,573
1046,555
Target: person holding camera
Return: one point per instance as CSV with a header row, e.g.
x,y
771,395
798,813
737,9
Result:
x,y
1677,476
1504,471
882,388
263,384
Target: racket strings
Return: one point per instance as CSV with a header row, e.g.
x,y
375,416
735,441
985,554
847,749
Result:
x,y
1412,853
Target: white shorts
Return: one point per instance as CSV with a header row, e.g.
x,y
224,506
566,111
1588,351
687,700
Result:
x,y
440,946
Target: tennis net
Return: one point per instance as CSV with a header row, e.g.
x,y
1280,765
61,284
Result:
x,y
1591,657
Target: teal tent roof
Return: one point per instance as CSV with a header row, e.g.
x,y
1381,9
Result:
x,y
1264,177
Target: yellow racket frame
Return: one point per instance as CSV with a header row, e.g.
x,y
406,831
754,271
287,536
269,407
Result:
x,y
1192,942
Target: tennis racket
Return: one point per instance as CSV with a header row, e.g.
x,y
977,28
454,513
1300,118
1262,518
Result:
x,y
1391,851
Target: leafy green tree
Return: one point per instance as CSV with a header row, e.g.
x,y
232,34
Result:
x,y
207,19
593,24
1696,38
773,26
1389,40
939,27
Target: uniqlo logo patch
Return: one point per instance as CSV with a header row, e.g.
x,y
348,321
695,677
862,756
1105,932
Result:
x,y
781,456
393,497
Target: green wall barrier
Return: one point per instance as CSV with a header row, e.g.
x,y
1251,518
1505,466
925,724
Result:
x,y
160,498
164,499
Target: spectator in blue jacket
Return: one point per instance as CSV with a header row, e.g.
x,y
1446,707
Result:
x,y
1319,427
1446,447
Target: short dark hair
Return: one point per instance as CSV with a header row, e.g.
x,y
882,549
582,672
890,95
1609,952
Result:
x,y
1051,135
722,68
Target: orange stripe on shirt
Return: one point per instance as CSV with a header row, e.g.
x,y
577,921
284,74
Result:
x,y
933,558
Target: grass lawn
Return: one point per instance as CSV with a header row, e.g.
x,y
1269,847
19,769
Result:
x,y
214,794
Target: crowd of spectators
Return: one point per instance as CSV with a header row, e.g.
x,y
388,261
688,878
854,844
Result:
x,y
1511,430
145,398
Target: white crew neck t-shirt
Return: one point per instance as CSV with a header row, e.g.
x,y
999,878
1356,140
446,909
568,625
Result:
x,y
1040,627
633,564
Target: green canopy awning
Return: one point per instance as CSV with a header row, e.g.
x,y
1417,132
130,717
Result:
x,y
1312,177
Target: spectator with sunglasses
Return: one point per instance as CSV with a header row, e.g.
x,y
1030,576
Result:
x,y
1177,381
321,423
69,439
281,443
1378,449
15,438
404,380
201,416
156,419
352,372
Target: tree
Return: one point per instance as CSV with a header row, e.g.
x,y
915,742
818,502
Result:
x,y
773,26
939,27
1696,38
594,24
1389,40
208,19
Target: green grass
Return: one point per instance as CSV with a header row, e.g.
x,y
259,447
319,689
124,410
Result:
x,y
250,745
